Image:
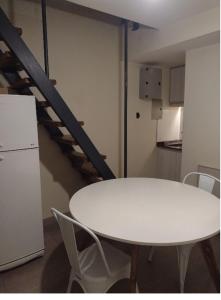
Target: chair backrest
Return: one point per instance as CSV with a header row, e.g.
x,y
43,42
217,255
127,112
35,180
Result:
x,y
66,225
68,235
214,172
205,181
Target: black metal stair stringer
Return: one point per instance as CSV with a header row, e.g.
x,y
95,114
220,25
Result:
x,y
14,42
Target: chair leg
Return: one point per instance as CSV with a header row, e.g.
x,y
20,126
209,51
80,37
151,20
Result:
x,y
150,256
70,283
137,288
183,253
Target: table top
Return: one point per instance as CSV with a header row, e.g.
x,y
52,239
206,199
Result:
x,y
147,211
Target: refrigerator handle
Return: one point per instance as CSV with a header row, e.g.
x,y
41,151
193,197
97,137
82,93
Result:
x,y
1,157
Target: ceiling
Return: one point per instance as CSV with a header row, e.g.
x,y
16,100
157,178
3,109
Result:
x,y
154,13
175,55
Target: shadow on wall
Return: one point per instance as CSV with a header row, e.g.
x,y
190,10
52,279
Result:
x,y
58,166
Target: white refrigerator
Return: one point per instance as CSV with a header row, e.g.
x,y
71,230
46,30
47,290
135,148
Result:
x,y
21,228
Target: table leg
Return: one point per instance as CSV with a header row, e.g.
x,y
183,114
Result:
x,y
133,271
211,262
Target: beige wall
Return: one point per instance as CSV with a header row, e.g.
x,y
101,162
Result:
x,y
141,132
201,109
84,57
59,181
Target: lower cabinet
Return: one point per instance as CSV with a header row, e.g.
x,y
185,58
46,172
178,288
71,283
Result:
x,y
168,164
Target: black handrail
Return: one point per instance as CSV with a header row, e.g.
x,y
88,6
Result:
x,y
14,42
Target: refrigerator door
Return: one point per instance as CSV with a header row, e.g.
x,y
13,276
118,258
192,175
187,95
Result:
x,y
18,122
21,230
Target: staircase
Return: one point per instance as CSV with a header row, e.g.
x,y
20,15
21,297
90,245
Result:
x,y
76,145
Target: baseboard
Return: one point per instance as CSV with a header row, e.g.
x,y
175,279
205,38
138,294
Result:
x,y
21,261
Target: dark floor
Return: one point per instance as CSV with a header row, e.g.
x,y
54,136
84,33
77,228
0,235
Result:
x,y
49,274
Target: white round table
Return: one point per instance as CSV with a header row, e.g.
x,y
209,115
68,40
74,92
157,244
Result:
x,y
147,211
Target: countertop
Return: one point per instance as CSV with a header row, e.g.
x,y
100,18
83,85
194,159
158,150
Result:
x,y
171,145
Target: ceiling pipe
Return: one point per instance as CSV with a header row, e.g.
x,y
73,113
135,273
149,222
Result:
x,y
45,36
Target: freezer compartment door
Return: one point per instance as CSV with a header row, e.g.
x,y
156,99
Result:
x,y
18,122
21,230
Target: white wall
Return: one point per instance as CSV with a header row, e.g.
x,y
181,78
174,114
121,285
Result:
x,y
201,129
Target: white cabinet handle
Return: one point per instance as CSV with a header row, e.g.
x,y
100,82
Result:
x,y
1,158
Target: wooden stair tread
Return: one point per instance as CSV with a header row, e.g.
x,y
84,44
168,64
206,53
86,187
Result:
x,y
25,83
7,90
21,82
43,104
55,123
9,63
52,123
88,169
66,139
81,156
19,30
94,179
81,123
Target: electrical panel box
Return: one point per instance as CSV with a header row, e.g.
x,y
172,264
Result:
x,y
150,83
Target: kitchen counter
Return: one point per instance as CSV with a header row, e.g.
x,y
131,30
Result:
x,y
171,145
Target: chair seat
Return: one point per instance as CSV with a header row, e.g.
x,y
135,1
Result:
x,y
92,265
96,268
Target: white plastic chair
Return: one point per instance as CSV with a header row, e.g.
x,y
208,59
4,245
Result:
x,y
205,182
97,267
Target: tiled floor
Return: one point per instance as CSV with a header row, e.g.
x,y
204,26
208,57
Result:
x,y
49,274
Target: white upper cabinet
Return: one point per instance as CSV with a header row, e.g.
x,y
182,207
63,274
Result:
x,y
177,84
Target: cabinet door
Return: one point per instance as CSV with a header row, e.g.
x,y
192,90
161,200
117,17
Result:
x,y
168,164
21,231
18,122
177,83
